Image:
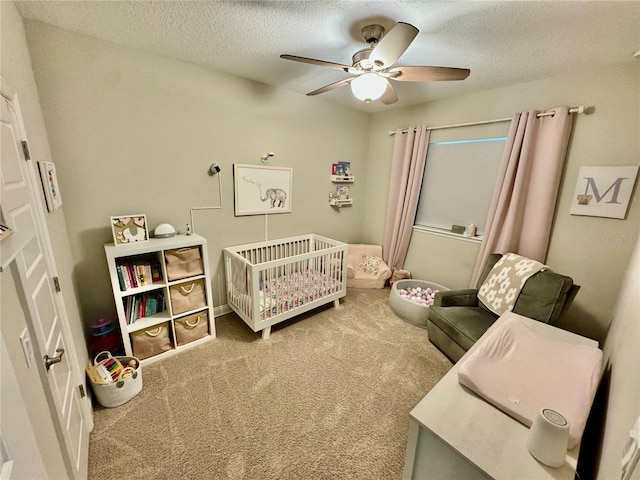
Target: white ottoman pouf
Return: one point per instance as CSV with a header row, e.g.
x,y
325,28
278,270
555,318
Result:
x,y
409,311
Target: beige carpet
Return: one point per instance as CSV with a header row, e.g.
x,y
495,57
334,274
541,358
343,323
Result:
x,y
327,397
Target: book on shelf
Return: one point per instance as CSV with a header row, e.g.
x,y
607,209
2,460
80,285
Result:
x,y
156,273
128,268
342,192
138,274
341,169
144,305
123,285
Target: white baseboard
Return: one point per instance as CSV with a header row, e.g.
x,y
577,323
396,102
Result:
x,y
221,310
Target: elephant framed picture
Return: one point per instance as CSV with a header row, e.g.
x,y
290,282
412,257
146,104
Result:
x,y
262,190
129,229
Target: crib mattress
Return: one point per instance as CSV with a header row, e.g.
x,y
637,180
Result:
x,y
284,293
521,371
293,290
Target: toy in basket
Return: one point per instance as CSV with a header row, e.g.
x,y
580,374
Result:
x,y
115,380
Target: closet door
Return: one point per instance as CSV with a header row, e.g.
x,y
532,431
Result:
x,y
33,267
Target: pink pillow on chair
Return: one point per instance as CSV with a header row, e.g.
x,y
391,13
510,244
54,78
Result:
x,y
369,264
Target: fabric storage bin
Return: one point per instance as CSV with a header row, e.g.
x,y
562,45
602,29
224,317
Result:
x,y
183,263
187,296
127,385
191,327
151,341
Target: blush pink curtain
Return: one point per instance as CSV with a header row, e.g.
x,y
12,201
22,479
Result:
x,y
524,200
407,165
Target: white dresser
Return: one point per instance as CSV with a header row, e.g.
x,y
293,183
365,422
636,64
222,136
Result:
x,y
454,434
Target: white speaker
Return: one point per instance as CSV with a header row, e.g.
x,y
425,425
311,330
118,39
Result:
x,y
548,438
164,230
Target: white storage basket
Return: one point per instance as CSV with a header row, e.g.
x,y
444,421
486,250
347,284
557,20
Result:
x,y
124,388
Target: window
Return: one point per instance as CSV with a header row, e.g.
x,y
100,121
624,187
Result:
x,y
459,178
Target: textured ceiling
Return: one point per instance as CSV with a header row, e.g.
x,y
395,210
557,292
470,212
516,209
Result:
x,y
502,42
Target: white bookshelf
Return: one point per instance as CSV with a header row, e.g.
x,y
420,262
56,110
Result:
x,y
154,249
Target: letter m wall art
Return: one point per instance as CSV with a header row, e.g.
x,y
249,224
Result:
x,y
604,191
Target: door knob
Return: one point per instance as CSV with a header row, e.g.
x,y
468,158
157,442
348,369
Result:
x,y
48,361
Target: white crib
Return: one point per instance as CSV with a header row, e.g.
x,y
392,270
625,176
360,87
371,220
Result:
x,y
268,282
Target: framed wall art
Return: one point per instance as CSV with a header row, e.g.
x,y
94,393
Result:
x,y
260,190
341,168
604,191
129,229
50,185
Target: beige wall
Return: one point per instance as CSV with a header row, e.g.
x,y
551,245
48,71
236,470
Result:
x,y
594,251
134,132
16,70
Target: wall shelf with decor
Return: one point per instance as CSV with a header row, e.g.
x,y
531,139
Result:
x,y
340,197
343,178
340,203
341,175
162,293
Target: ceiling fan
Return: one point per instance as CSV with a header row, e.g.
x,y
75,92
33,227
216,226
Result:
x,y
372,67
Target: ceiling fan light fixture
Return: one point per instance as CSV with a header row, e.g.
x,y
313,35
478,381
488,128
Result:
x,y
372,70
368,87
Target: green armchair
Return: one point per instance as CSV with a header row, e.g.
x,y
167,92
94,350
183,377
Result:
x,y
457,319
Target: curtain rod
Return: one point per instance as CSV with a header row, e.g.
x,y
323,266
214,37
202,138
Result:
x,y
579,109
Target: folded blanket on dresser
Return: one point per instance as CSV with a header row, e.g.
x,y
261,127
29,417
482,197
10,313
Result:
x,y
521,372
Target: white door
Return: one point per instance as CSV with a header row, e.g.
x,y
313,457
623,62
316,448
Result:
x,y
57,365
19,454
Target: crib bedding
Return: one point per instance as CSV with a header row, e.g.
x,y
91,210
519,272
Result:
x,y
289,291
521,371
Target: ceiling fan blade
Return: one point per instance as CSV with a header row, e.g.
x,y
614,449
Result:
x,y
425,74
393,44
389,96
313,61
331,86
